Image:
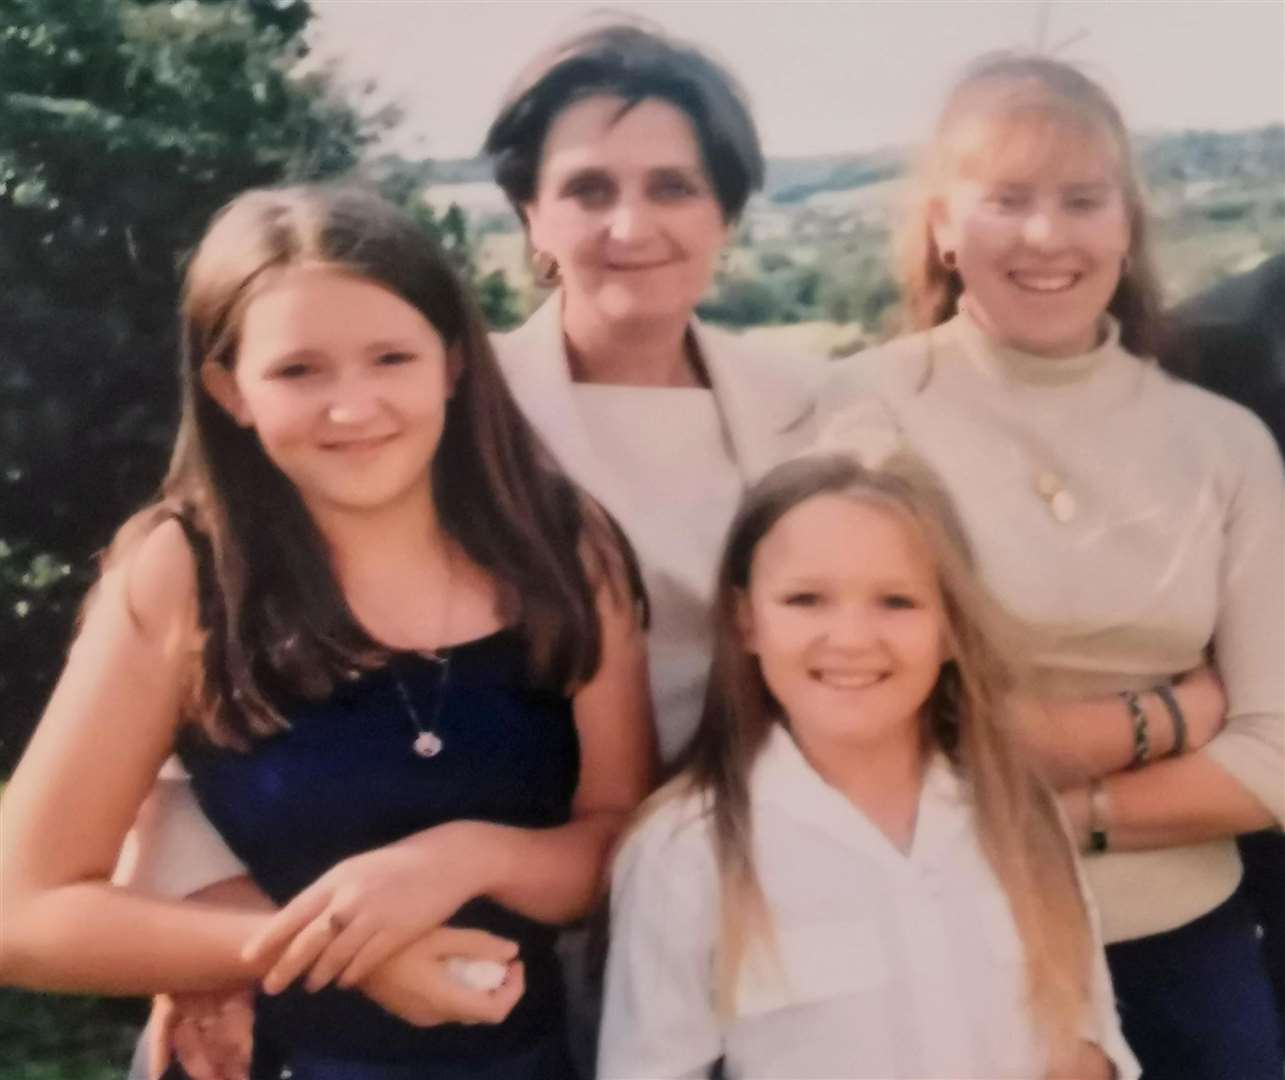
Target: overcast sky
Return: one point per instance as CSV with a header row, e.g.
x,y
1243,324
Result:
x,y
831,75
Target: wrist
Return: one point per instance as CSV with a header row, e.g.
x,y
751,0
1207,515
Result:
x,y
1160,731
482,854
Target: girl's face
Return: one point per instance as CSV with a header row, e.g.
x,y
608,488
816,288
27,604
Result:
x,y
625,206
345,384
1039,249
845,615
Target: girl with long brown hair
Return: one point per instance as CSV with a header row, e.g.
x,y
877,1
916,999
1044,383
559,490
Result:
x,y
855,874
398,652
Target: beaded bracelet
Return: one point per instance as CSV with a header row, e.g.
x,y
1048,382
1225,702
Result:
x,y
1141,739
1165,694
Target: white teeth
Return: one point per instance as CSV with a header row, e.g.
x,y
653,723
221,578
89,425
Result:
x,y
847,680
1037,282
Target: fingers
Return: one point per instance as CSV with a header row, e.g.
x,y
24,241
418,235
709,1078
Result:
x,y
212,1035
285,926
465,1005
303,950
195,1051
473,944
159,1036
377,948
509,993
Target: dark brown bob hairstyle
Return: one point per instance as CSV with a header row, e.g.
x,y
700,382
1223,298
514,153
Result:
x,y
633,63
275,624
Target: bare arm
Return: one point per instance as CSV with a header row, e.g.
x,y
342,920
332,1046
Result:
x,y
1074,742
109,725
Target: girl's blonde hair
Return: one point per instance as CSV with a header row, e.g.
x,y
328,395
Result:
x,y
1016,816
1026,109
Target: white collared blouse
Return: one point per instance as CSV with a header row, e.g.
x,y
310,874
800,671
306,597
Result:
x,y
895,965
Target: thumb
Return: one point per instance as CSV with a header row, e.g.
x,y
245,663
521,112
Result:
x,y
475,945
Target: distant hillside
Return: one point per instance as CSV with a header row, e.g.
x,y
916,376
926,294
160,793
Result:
x,y
1165,157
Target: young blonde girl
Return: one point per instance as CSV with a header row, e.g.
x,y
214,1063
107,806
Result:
x,y
1133,523
855,874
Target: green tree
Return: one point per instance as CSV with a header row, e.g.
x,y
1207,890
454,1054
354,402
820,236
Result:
x,y
123,125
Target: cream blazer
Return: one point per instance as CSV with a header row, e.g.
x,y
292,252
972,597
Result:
x,y
767,402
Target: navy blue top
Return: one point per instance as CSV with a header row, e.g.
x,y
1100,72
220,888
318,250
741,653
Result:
x,y
344,779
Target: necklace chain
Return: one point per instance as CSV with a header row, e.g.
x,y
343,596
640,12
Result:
x,y
428,743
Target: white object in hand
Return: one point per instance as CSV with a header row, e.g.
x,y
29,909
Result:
x,y
477,974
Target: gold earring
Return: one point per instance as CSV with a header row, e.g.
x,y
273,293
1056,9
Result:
x,y
545,267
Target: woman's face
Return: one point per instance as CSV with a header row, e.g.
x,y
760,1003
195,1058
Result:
x,y
1039,249
345,384
624,204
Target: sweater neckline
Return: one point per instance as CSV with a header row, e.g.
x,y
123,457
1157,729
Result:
x,y
1009,364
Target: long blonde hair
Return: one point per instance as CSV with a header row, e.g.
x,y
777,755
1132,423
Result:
x,y
1016,816
1014,104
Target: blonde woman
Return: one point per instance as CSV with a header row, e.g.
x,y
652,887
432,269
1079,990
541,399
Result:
x,y
1132,522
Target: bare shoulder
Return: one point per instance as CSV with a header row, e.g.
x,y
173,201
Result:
x,y
157,580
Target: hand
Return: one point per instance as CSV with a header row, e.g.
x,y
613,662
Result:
x,y
365,909
1088,1062
416,984
1203,702
210,1034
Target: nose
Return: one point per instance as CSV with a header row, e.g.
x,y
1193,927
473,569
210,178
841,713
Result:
x,y
353,402
631,220
851,627
1042,229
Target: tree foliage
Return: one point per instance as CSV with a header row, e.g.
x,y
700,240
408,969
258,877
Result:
x,y
123,125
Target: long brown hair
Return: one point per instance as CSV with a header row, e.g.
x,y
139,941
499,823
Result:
x,y
1016,816
1012,102
274,618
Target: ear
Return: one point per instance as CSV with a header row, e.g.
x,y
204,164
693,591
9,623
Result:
x,y
454,367
745,622
534,225
220,384
941,226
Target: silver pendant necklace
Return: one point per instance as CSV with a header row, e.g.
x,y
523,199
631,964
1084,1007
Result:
x,y
427,743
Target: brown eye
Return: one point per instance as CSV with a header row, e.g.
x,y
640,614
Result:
x,y
593,192
672,187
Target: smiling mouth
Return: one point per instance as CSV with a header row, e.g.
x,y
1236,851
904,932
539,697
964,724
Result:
x,y
1043,281
358,445
847,680
634,268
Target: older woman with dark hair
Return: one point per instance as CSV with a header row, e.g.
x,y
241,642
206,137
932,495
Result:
x,y
629,157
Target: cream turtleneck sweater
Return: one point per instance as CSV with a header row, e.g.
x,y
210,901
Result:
x,y
1129,520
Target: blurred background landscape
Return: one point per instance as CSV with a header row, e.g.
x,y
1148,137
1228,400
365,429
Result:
x,y
125,123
